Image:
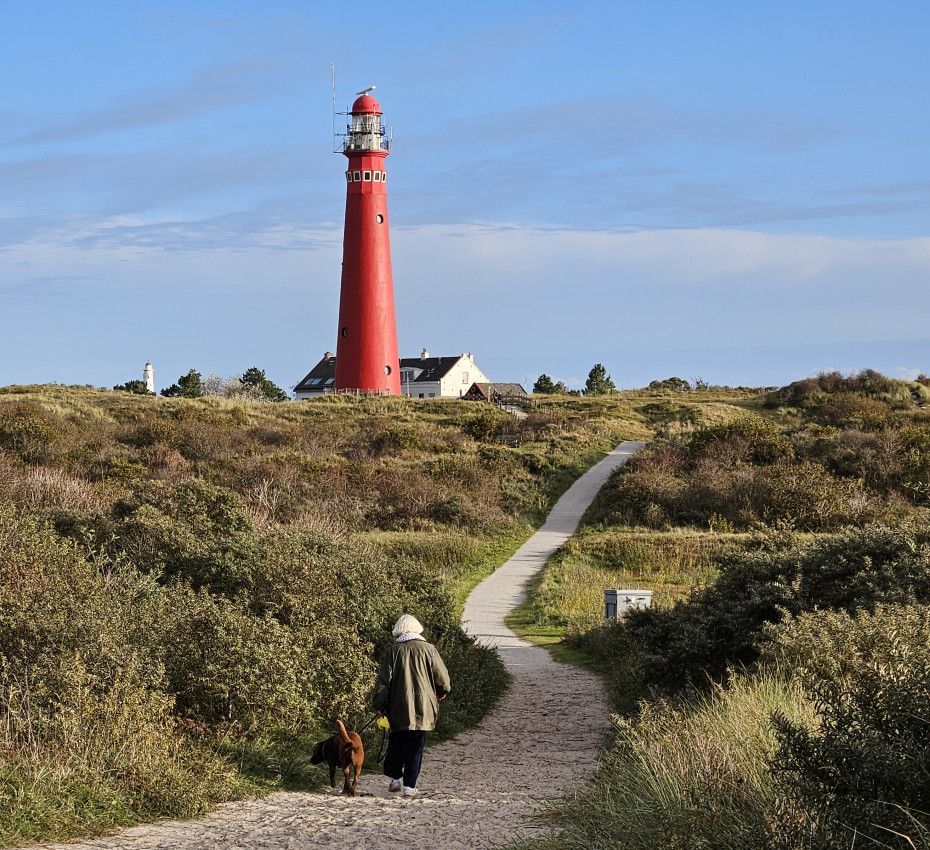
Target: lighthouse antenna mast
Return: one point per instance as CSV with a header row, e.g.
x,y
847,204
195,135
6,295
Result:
x,y
333,69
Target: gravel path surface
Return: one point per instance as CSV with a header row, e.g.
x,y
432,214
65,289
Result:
x,y
478,790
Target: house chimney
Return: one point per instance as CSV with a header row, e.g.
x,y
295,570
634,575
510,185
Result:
x,y
424,354
327,355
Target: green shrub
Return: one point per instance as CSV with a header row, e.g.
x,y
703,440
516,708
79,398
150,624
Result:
x,y
750,438
28,432
720,626
861,774
192,530
854,409
87,730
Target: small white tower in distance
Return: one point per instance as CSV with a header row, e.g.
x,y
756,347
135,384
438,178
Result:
x,y
148,375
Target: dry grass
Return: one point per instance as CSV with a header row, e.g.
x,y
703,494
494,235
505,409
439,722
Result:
x,y
694,775
570,593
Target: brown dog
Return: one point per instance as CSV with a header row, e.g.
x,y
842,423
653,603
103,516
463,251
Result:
x,y
345,750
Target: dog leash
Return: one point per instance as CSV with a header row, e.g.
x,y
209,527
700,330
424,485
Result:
x,y
371,720
384,734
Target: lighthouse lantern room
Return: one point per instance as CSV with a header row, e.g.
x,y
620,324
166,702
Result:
x,y
366,349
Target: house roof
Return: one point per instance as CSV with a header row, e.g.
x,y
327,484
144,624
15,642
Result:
x,y
320,377
498,389
432,369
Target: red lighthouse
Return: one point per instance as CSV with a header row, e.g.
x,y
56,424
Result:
x,y
366,351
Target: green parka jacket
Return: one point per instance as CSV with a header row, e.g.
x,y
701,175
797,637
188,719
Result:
x,y
411,679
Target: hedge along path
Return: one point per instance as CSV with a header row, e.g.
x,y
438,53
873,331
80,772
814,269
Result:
x,y
477,790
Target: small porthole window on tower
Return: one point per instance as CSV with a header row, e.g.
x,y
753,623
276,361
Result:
x,y
357,176
366,177
387,370
379,218
344,331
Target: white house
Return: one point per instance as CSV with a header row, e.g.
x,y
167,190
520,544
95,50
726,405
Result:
x,y
420,377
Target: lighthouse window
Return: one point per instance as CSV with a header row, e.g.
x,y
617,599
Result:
x,y
345,331
379,218
384,177
348,176
367,176
357,176
377,176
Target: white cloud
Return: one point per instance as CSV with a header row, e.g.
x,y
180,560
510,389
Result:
x,y
523,299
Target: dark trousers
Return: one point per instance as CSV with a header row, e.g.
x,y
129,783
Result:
x,y
404,756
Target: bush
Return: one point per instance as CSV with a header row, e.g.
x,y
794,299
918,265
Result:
x,y
697,640
28,432
192,530
862,773
749,472
97,725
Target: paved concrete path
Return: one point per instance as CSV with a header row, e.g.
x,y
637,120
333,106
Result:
x,y
478,790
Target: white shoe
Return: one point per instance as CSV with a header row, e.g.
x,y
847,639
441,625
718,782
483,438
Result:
x,y
395,785
410,792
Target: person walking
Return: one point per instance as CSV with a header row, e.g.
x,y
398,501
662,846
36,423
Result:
x,y
411,683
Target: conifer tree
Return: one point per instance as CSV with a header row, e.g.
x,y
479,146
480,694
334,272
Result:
x,y
599,382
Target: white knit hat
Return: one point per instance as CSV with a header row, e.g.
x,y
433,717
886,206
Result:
x,y
407,624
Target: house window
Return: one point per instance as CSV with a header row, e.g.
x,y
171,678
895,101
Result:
x,y
432,395
421,395
357,176
366,176
464,377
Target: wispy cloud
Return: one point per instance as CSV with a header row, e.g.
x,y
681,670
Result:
x,y
207,91
609,125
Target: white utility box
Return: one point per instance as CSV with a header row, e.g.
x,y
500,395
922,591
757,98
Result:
x,y
617,601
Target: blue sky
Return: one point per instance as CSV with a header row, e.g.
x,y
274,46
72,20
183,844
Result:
x,y
727,190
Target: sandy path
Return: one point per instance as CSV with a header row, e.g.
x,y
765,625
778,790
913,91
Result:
x,y
477,790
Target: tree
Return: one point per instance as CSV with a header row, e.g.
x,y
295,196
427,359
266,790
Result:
x,y
136,387
599,382
188,386
546,386
268,390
